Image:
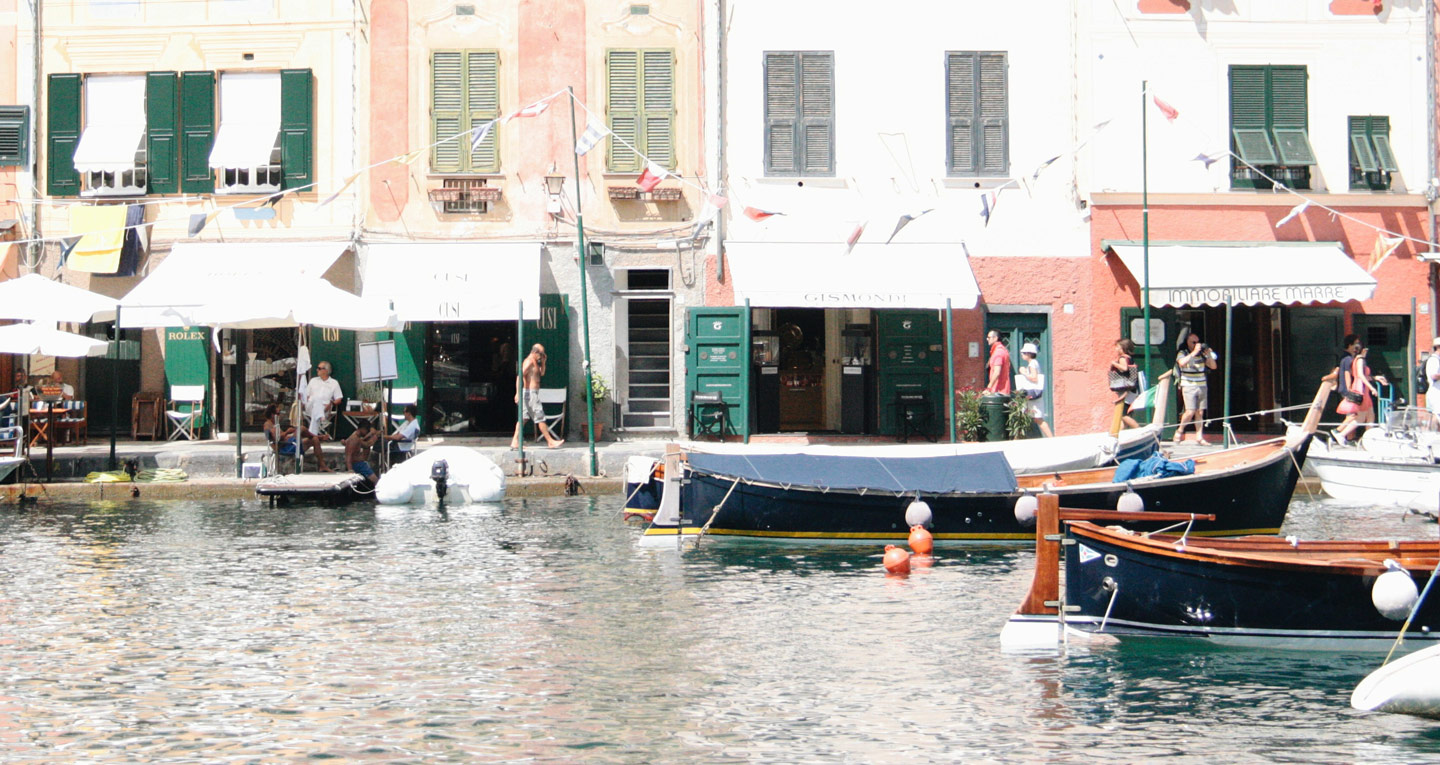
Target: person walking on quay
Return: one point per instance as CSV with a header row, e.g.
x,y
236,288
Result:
x,y
1030,382
1124,377
1356,390
999,365
1432,374
1193,360
529,384
357,450
322,397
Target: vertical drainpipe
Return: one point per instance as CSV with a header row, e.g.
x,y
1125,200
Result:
x,y
37,247
1430,189
720,167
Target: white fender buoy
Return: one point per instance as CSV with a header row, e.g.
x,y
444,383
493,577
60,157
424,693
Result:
x,y
1025,508
918,514
1394,593
1130,502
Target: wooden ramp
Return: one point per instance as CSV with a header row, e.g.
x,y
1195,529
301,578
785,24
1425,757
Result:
x,y
311,487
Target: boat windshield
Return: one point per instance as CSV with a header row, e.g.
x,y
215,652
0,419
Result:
x,y
1412,418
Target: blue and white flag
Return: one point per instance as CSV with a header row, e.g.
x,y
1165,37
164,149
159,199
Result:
x,y
594,131
480,134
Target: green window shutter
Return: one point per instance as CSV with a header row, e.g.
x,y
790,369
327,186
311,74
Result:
x,y
1248,97
447,109
62,134
1380,136
1361,154
197,132
1288,117
1253,146
994,115
657,103
297,126
14,135
782,113
162,128
960,108
482,94
817,113
622,107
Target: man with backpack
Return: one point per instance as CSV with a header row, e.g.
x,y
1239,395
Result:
x,y
1430,379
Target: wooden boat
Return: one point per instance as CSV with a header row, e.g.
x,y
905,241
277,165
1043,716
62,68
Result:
x,y
9,465
819,498
1408,686
1397,463
1253,591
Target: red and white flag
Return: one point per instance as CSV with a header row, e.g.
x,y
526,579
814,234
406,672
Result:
x,y
756,214
855,236
533,110
1169,111
652,177
718,201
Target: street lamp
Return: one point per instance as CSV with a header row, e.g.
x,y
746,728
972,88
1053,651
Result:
x,y
554,185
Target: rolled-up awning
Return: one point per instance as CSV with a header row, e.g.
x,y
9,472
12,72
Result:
x,y
455,282
249,120
114,123
197,275
1245,273
824,275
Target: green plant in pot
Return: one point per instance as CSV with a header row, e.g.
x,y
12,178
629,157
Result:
x,y
599,391
969,424
1018,421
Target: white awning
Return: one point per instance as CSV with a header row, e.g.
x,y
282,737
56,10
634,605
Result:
x,y
1244,273
455,282
249,120
824,275
195,277
114,123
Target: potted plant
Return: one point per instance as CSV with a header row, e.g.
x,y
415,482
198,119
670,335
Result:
x,y
600,391
968,421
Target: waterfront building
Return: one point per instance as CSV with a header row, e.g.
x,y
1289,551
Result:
x,y
16,145
1322,230
469,231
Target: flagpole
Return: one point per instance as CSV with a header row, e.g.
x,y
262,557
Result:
x,y
584,299
1145,225
950,366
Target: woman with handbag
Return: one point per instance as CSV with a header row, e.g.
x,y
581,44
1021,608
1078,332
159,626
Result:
x,y
1031,384
1124,377
1356,390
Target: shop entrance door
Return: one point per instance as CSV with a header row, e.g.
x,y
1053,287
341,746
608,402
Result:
x,y
802,368
911,362
1313,337
472,378
1388,338
1017,329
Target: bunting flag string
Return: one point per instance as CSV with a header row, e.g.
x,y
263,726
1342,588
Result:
x,y
651,177
595,131
854,237
1294,212
1206,159
756,214
481,133
337,193
1170,112
906,220
1384,246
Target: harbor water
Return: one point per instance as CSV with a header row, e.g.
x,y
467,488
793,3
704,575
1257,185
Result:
x,y
539,630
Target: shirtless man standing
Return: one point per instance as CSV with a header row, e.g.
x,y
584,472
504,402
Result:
x,y
530,373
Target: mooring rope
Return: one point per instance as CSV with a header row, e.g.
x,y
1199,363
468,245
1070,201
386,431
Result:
x,y
1400,638
706,528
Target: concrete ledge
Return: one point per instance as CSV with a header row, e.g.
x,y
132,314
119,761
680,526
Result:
x,y
234,488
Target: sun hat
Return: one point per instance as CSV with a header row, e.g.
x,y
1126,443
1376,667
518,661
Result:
x,y
1030,348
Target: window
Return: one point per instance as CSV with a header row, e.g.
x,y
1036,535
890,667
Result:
x,y
110,156
114,9
465,197
640,104
1269,127
265,138
800,113
1371,159
14,135
977,114
464,94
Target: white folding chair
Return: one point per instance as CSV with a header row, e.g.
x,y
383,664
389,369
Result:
x,y
553,400
187,406
12,435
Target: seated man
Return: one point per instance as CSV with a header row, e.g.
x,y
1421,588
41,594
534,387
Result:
x,y
357,450
402,441
282,441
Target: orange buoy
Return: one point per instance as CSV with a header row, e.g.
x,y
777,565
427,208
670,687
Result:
x,y
921,541
897,561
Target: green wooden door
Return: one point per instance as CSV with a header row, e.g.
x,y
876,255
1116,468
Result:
x,y
911,360
1017,329
716,353
1163,326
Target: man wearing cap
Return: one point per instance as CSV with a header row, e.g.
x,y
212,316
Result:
x,y
1432,373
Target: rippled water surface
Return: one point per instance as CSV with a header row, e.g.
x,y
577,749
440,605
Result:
x,y
539,630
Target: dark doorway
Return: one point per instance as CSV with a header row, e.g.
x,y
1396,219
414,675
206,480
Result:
x,y
110,384
472,378
802,368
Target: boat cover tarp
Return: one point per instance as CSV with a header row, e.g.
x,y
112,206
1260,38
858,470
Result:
x,y
984,473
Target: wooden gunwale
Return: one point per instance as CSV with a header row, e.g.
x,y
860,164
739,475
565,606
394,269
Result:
x,y
1204,466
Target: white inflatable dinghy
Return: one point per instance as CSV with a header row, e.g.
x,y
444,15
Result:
x,y
453,474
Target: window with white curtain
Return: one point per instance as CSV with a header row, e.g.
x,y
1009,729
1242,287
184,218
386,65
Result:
x,y
247,148
111,154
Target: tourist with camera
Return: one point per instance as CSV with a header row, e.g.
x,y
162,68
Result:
x,y
1193,361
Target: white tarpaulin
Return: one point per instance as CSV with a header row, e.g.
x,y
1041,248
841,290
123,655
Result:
x,y
198,276
1242,273
308,300
249,120
114,123
32,297
824,275
455,282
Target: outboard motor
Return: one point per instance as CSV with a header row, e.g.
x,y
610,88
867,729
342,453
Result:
x,y
440,474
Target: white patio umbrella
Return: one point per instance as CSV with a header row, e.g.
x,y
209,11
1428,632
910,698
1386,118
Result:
x,y
33,297
26,339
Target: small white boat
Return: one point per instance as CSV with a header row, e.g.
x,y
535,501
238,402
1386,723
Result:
x,y
1407,686
1397,463
8,465
449,474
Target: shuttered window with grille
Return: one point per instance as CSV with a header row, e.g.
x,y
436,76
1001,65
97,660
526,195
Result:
x,y
14,135
1371,158
640,108
464,96
977,114
799,113
1269,127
